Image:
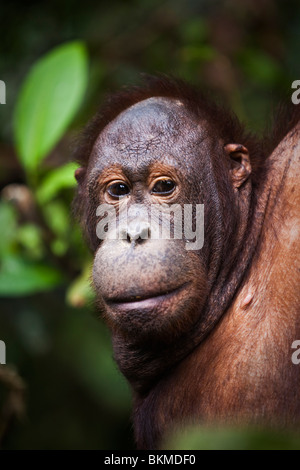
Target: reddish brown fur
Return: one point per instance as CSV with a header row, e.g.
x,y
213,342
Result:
x,y
242,372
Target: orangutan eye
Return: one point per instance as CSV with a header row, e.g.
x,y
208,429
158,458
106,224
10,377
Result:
x,y
163,187
118,189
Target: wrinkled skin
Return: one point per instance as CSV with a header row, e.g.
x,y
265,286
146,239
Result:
x,y
170,280
202,334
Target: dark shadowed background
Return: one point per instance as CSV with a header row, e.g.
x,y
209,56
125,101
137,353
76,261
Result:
x,y
60,388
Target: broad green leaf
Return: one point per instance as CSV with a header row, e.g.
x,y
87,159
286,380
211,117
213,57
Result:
x,y
48,101
21,277
60,178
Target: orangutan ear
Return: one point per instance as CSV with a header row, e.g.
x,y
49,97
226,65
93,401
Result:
x,y
240,167
79,174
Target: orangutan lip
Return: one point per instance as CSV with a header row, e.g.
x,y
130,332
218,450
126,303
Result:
x,y
141,300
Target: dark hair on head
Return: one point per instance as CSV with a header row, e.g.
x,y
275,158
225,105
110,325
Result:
x,y
223,122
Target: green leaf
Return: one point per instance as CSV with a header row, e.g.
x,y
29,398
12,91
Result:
x,y
21,277
48,101
57,179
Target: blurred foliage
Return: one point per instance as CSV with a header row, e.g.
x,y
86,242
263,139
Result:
x,y
231,438
58,60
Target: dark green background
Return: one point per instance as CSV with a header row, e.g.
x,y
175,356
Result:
x,y
246,52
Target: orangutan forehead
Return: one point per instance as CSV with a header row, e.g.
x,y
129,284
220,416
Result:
x,y
151,122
